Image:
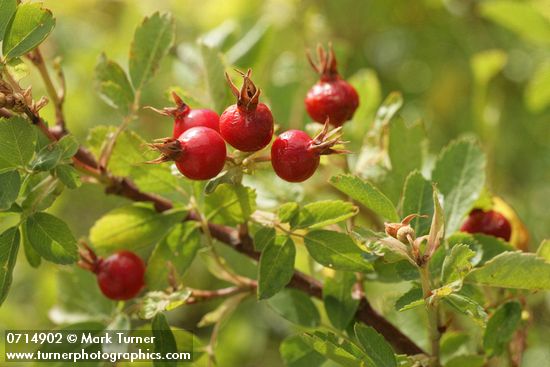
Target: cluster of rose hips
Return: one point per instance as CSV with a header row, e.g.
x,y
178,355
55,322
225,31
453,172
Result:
x,y
198,148
197,145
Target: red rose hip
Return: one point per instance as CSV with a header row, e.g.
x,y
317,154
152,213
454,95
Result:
x,y
185,118
331,97
490,222
121,275
199,153
295,156
248,124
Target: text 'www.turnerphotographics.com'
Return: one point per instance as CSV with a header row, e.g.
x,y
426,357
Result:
x,y
97,345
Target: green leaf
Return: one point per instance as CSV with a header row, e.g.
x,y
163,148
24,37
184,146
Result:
x,y
10,184
501,327
28,28
175,253
457,264
288,211
47,158
544,250
466,306
460,174
486,247
17,139
44,189
537,93
263,237
33,258
520,17
437,228
366,194
336,250
164,342
296,307
68,146
296,353
51,238
340,304
8,10
214,70
247,200
418,199
414,297
376,347
152,40
132,227
466,361
230,204
276,266
68,175
323,213
405,153
113,85
513,270
9,246
339,350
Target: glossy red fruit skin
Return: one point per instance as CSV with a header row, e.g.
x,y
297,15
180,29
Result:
x,y
292,156
121,276
247,130
490,222
203,153
196,118
332,98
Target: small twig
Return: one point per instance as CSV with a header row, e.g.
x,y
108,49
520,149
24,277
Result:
x,y
433,314
199,295
107,151
217,258
57,97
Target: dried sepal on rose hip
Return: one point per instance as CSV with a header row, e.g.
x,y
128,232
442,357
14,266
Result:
x,y
295,156
199,153
248,124
331,97
490,222
19,101
402,231
121,276
185,117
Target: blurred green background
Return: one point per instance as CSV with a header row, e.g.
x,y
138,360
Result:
x,y
463,66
